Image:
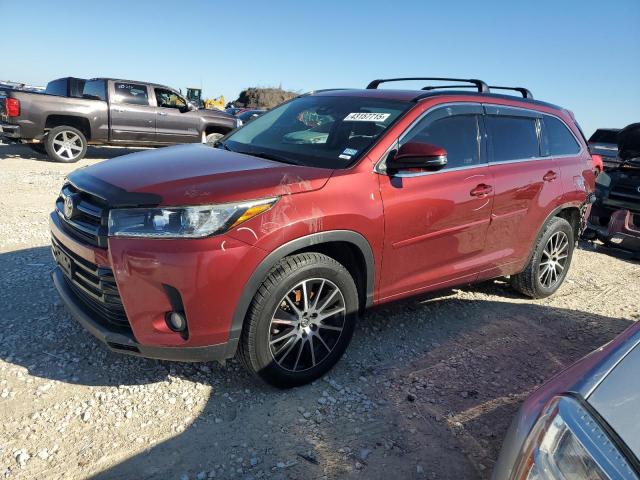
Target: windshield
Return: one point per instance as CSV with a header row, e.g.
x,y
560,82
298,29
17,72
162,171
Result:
x,y
318,131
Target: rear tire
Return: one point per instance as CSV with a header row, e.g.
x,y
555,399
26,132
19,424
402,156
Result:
x,y
289,341
550,261
65,144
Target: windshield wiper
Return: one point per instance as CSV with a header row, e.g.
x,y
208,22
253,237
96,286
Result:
x,y
219,144
271,156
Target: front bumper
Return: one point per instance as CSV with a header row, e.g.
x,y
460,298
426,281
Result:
x,y
124,342
208,274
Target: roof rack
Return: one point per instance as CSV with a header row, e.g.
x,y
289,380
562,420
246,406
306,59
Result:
x,y
479,84
526,93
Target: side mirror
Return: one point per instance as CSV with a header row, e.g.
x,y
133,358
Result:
x,y
417,155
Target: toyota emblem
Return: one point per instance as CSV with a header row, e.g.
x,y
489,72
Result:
x,y
69,207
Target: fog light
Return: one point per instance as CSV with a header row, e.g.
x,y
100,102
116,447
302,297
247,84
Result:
x,y
176,321
616,240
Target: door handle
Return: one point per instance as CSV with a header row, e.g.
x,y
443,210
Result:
x,y
164,114
119,110
481,190
550,176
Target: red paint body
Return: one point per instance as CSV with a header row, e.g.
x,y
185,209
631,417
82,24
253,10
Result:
x,y
425,232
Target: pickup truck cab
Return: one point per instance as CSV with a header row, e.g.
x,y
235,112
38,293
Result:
x,y
73,113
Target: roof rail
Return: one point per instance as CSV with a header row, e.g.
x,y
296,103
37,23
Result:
x,y
437,87
479,84
526,93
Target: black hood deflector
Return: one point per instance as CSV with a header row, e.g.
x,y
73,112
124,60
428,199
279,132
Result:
x,y
115,197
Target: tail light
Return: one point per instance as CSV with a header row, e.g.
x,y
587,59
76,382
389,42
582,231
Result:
x,y
597,162
12,107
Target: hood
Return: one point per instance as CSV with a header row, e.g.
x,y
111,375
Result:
x,y
194,175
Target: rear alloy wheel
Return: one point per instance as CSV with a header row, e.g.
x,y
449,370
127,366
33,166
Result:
x,y
300,321
66,144
554,260
550,261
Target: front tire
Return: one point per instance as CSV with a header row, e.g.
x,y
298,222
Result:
x,y
65,144
300,321
550,261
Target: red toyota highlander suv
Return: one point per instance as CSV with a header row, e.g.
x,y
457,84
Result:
x,y
272,243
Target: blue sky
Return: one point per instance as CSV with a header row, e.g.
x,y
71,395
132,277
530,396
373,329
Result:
x,y
583,55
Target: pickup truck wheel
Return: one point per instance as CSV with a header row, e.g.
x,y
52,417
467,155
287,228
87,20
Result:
x,y
65,144
550,261
213,138
301,320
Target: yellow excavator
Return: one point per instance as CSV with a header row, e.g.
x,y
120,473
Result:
x,y
194,95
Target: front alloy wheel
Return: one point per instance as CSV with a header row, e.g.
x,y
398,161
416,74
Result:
x,y
300,321
307,324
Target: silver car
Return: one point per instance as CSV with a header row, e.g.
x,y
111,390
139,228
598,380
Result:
x,y
582,424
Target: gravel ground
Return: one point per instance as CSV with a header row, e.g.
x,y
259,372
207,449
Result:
x,y
426,390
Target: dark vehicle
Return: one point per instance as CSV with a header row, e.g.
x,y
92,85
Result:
x,y
604,144
615,216
248,115
101,111
234,110
274,242
583,423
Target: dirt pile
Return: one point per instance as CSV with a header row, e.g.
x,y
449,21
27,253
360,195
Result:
x,y
262,97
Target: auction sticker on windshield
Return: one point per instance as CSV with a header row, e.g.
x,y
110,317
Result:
x,y
366,117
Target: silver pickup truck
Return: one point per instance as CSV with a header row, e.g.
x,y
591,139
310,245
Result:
x,y
73,113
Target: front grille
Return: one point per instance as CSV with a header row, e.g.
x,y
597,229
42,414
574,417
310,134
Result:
x,y
88,222
95,286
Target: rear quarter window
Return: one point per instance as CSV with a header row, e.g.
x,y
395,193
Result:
x,y
512,138
131,93
557,139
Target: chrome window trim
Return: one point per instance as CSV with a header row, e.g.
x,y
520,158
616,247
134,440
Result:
x,y
381,170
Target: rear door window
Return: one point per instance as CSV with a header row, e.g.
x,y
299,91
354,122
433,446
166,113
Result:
x,y
131,93
95,90
557,139
512,138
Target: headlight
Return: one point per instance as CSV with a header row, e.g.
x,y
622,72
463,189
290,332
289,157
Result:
x,y
184,222
567,443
